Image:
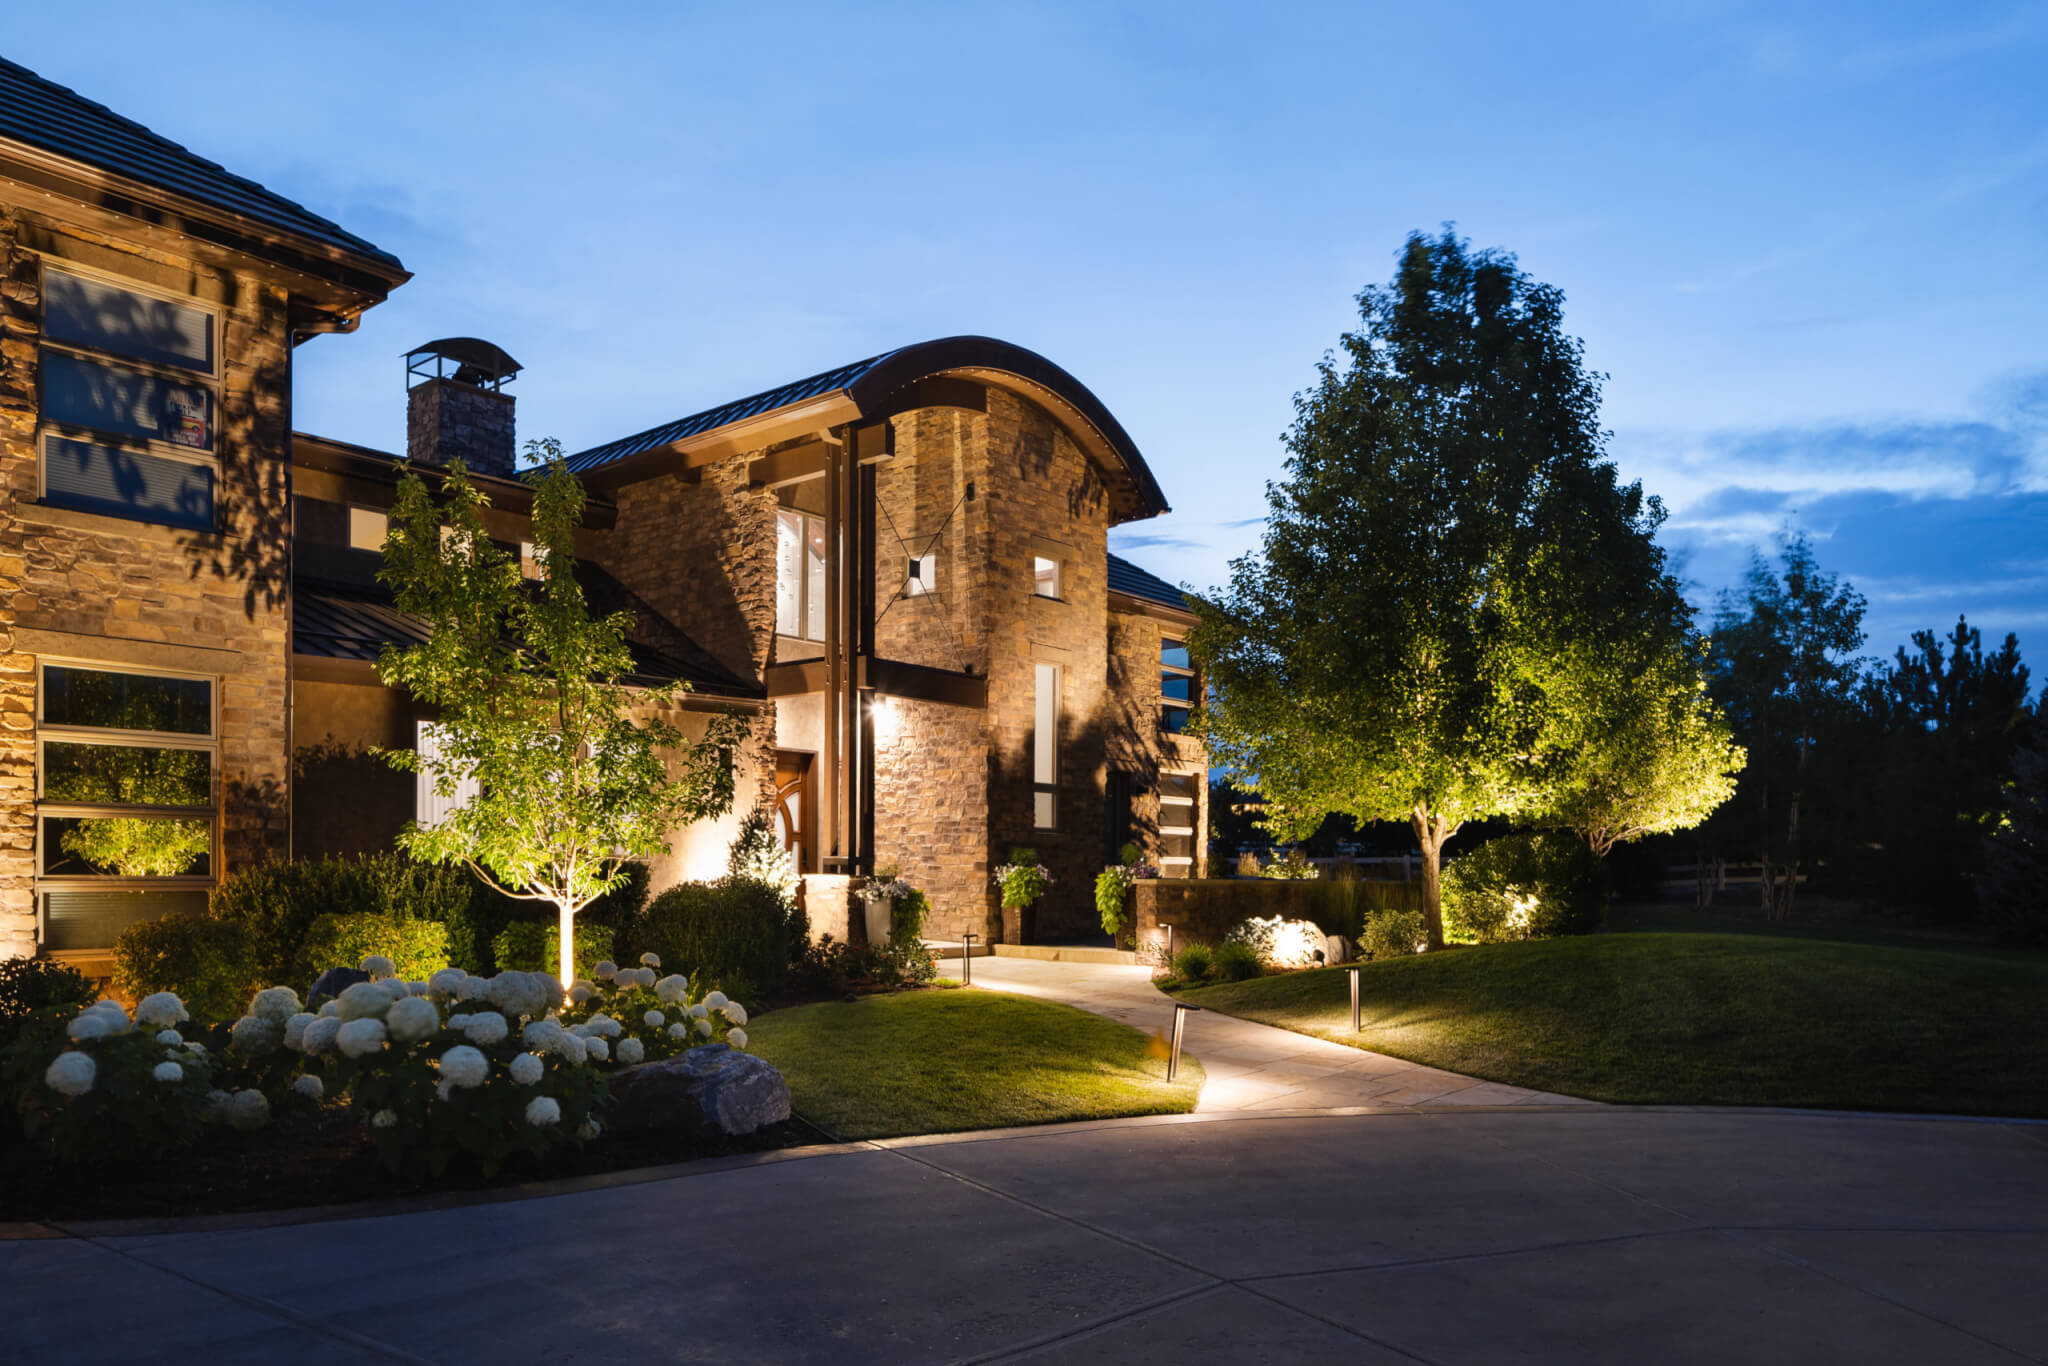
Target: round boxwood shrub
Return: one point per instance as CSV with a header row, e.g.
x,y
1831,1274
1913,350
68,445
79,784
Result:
x,y
417,948
207,962
734,933
1391,934
1534,886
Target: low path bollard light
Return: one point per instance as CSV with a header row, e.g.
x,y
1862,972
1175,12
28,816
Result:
x,y
1181,1010
1355,1026
967,958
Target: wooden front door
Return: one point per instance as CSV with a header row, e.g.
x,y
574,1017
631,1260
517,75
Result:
x,y
796,807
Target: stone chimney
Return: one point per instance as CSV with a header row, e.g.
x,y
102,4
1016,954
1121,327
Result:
x,y
456,406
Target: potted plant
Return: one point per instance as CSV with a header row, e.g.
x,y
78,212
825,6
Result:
x,y
1113,887
1023,880
879,899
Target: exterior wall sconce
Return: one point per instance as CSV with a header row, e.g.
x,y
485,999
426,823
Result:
x,y
1181,1011
967,938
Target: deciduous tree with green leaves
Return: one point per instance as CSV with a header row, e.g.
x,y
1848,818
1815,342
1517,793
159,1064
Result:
x,y
575,771
1448,561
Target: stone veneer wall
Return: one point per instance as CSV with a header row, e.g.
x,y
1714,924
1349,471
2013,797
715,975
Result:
x,y
931,812
133,594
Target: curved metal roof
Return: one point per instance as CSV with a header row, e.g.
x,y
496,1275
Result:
x,y
869,384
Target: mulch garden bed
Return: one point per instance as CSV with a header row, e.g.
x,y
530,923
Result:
x,y
319,1159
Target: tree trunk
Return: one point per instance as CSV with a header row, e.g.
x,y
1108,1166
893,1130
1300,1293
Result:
x,y
565,961
1430,834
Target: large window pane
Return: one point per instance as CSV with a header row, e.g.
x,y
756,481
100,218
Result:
x,y
88,918
95,697
1045,723
1178,686
87,313
1173,720
127,846
126,775
789,578
814,578
131,484
1173,654
124,402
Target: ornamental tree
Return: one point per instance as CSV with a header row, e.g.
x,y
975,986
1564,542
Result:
x,y
1448,561
575,772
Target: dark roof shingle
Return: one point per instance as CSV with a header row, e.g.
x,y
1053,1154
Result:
x,y
57,119
1131,581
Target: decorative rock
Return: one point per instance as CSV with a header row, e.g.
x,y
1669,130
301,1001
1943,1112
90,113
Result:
x,y
712,1089
334,981
1336,949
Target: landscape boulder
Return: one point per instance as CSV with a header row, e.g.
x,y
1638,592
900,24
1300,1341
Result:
x,y
710,1090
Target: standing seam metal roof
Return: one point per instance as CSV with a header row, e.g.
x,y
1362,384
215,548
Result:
x,y
1128,579
57,119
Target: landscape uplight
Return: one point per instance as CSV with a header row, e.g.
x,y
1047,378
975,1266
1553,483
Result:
x,y
1180,1022
967,939
1355,1026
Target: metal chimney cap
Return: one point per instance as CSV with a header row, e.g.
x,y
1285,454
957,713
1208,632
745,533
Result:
x,y
477,362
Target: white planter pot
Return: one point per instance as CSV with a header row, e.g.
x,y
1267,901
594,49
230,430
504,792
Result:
x,y
879,912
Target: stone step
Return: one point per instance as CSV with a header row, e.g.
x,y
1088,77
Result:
x,y
950,948
1067,953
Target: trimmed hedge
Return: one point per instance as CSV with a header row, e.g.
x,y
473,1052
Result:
x,y
534,946
209,963
733,934
275,904
1519,887
417,948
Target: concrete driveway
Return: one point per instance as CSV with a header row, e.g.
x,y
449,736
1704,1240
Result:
x,y
1481,1235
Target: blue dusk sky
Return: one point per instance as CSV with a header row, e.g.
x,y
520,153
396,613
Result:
x,y
1809,244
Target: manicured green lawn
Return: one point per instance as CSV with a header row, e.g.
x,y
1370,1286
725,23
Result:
x,y
1717,1019
943,1061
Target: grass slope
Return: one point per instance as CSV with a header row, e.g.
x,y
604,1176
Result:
x,y
1717,1019
944,1061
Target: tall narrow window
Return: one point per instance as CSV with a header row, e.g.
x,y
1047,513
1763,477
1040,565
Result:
x,y
129,386
1177,695
430,807
1177,830
1045,576
1045,748
125,810
799,575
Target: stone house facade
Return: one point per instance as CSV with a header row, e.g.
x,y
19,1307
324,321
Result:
x,y
898,570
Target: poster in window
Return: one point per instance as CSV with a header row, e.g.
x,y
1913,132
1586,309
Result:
x,y
185,417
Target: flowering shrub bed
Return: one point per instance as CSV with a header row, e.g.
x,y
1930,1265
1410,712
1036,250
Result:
x,y
101,1086
635,1014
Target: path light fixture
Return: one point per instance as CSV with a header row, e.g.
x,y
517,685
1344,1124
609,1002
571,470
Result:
x,y
1356,1028
1181,1010
967,938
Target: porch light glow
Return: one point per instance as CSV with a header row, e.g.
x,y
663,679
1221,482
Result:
x,y
885,716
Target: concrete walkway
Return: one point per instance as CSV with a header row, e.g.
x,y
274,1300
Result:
x,y
1444,1235
1251,1067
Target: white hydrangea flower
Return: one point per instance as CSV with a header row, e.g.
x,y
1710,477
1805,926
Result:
x,y
715,1001
379,967
597,1049
737,1037
363,1001
654,1018
320,1035
161,1010
359,1038
384,1119
581,992
574,1049
309,1086
255,1035
552,994
520,995
673,989
196,1047
486,1027
589,1129
441,987
329,1010
631,1051
543,1036
604,1026
168,1071
735,1012
93,1024
703,1027
644,977
275,1003
116,1019
527,1068
248,1110
699,1011
542,1111
605,971
295,1031
170,1038
650,960
412,1019
464,1066
679,1030
473,989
